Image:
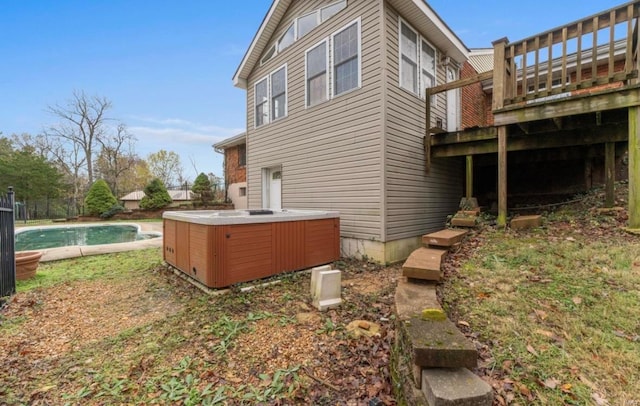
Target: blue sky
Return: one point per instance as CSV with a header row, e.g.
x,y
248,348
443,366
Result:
x,y
167,66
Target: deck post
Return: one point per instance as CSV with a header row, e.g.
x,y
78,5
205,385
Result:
x,y
469,180
634,167
609,173
427,135
502,176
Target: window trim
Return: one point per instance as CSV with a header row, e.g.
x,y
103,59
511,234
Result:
x,y
255,103
286,93
269,118
327,73
357,21
296,33
242,162
420,39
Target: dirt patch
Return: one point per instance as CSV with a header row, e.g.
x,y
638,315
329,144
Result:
x,y
58,320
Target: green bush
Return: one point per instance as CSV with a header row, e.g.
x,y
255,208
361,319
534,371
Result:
x,y
156,196
115,209
99,198
203,190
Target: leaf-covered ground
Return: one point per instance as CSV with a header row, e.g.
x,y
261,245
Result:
x,y
553,310
124,329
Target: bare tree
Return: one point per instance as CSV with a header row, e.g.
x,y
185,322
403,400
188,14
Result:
x,y
116,156
166,166
82,125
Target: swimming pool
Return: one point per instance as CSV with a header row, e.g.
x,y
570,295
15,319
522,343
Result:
x,y
36,238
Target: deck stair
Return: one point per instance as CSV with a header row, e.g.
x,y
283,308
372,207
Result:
x,y
466,218
439,356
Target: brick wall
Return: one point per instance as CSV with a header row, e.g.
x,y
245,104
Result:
x,y
476,104
234,172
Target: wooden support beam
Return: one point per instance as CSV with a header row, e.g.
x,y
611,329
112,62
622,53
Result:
x,y
502,176
469,182
499,73
560,139
634,168
609,173
588,103
427,135
462,82
477,134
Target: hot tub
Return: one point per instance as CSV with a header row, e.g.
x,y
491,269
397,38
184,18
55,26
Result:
x,y
220,248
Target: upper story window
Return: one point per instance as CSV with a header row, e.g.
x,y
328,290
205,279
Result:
x,y
242,155
427,66
346,59
408,58
307,23
271,97
317,82
279,93
301,26
261,102
417,61
287,38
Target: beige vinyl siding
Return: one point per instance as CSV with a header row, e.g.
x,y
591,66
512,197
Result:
x,y
416,202
330,153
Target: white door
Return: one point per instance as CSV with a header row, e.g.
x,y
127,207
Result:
x,y
272,188
453,102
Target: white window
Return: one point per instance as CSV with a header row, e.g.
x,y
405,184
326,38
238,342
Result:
x,y
417,61
332,9
287,38
346,59
427,66
271,97
307,23
268,55
408,58
261,102
301,26
279,93
317,83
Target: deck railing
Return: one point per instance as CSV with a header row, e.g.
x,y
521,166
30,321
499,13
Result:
x,y
594,51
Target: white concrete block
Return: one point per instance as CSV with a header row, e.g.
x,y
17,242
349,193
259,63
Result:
x,y
314,277
328,290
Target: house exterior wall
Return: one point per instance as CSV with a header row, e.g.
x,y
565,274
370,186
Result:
x,y
474,101
235,172
416,202
331,154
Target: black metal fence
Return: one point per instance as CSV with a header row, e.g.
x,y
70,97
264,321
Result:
x,y
36,211
7,246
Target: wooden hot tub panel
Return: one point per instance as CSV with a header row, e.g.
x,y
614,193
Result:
x,y
222,255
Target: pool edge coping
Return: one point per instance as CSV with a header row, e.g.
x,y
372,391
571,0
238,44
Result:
x,y
75,251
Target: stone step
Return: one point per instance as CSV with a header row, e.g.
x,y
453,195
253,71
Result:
x,y
524,222
464,221
412,297
455,387
444,238
424,263
438,344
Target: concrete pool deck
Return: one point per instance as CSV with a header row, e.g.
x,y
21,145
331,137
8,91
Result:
x,y
55,254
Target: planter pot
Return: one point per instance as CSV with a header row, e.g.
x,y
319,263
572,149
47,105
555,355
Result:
x,y
26,264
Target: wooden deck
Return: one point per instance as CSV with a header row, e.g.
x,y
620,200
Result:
x,y
574,85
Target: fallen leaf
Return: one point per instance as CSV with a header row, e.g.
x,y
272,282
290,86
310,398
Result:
x,y
599,399
463,323
577,300
542,315
566,388
551,383
587,382
571,239
532,350
545,333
